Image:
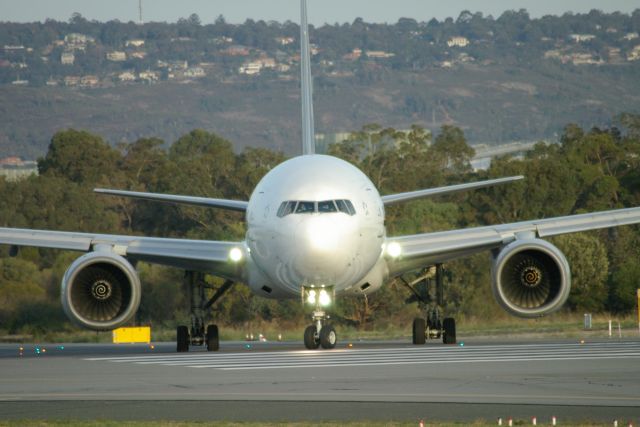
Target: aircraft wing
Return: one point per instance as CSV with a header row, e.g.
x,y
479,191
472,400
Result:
x,y
439,191
198,255
426,249
234,205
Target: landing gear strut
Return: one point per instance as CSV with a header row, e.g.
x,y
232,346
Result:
x,y
320,333
200,307
432,325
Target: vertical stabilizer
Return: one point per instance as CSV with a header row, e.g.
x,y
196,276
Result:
x,y
308,132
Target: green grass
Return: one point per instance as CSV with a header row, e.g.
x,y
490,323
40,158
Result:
x,y
566,326
108,423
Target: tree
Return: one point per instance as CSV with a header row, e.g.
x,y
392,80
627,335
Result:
x,y
452,150
78,156
587,258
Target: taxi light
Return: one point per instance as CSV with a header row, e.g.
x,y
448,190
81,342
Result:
x,y
235,254
394,250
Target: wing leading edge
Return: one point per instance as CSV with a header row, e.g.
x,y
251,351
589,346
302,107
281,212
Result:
x,y
234,205
197,255
439,191
431,248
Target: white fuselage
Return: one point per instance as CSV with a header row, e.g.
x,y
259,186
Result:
x,y
315,221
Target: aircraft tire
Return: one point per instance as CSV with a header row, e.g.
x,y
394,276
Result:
x,y
213,339
419,327
310,340
449,335
328,337
182,339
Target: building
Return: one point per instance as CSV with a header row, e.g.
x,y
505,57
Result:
x,y
250,68
236,50
67,58
195,72
149,76
634,54
116,56
134,43
379,54
353,55
89,81
77,41
127,76
579,38
14,168
71,81
458,41
285,40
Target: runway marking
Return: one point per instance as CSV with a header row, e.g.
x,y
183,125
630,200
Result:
x,y
387,356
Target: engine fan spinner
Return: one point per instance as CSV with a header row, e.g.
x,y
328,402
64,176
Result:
x,y
100,291
531,278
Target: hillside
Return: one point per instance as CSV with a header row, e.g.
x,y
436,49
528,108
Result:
x,y
505,79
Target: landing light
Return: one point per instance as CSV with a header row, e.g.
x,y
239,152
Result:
x,y
325,298
235,254
311,297
394,250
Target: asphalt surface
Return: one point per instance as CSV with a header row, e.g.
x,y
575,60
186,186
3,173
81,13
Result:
x,y
597,381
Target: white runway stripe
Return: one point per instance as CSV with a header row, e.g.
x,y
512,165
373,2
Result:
x,y
387,356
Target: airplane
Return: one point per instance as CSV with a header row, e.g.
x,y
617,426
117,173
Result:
x,y
315,229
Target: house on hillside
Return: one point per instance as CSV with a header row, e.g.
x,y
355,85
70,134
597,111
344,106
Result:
x,y
379,54
458,41
116,56
134,43
67,58
195,72
580,38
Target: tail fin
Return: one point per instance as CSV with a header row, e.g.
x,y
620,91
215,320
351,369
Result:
x,y
308,132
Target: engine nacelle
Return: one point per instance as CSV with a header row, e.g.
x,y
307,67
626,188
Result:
x,y
531,278
100,291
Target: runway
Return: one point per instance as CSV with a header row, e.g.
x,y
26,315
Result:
x,y
371,380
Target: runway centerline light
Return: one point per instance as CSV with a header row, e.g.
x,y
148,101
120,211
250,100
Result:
x,y
235,254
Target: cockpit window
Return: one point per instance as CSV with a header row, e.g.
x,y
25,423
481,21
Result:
x,y
346,206
286,208
327,206
305,207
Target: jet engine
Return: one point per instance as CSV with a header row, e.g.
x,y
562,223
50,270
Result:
x,y
100,291
531,278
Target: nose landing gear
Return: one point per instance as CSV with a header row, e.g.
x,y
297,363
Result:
x,y
320,333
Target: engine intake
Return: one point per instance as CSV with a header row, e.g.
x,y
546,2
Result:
x,y
100,291
531,278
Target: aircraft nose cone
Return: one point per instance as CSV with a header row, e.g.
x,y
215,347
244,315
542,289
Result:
x,y
327,244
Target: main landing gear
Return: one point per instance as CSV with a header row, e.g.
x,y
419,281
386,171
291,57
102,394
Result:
x,y
200,307
432,325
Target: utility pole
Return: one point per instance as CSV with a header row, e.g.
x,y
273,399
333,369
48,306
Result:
x,y
140,12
